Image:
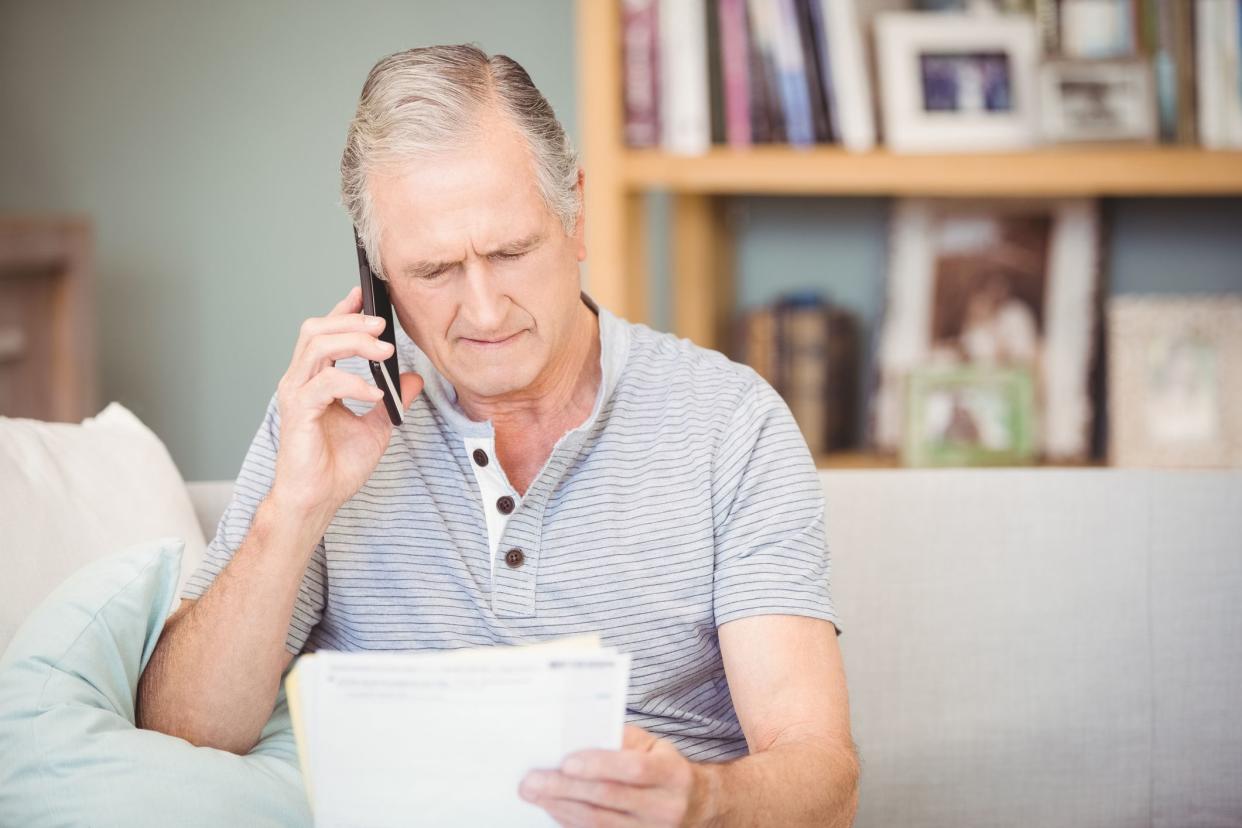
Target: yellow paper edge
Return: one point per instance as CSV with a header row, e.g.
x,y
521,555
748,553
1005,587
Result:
x,y
294,698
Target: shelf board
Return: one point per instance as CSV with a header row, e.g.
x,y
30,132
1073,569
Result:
x,y
1109,170
876,460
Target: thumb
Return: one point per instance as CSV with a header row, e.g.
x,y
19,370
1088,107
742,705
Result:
x,y
411,385
635,738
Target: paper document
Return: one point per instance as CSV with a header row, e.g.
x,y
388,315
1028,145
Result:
x,y
444,739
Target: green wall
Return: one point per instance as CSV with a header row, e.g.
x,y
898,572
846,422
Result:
x,y
203,139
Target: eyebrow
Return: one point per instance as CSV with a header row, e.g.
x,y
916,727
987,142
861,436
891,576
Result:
x,y
426,268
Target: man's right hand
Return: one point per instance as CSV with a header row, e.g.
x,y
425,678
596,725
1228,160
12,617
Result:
x,y
327,452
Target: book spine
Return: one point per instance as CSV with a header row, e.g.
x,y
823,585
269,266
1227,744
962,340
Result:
x,y
759,343
640,49
795,96
841,386
761,127
685,120
765,37
715,72
819,33
806,348
851,82
1187,86
814,75
735,67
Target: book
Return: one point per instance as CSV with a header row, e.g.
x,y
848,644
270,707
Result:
x,y
766,123
685,117
448,736
715,72
640,67
809,32
761,15
1184,57
815,45
808,350
851,81
792,74
735,70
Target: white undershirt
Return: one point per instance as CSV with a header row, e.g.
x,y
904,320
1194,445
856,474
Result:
x,y
492,487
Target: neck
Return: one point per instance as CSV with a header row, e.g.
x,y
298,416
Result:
x,y
560,398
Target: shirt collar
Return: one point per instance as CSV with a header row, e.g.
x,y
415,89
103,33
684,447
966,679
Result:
x,y
614,337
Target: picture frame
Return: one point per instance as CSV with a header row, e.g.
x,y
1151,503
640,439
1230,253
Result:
x,y
957,82
1008,282
1097,100
970,416
1175,381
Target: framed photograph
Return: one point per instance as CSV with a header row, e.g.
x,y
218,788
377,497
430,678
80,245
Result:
x,y
1087,100
1007,283
1175,381
972,416
957,82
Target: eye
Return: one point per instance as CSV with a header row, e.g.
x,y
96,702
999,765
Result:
x,y
510,256
432,275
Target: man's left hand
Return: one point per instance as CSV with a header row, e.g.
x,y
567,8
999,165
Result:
x,y
647,782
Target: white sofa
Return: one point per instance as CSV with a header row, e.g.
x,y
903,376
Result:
x,y
1034,647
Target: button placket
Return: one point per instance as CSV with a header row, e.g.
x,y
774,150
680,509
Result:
x,y
514,580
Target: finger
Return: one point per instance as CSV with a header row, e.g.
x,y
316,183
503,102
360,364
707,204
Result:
x,y
581,815
628,766
635,738
549,785
333,384
318,326
324,349
341,323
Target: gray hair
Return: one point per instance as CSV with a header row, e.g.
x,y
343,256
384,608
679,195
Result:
x,y
424,101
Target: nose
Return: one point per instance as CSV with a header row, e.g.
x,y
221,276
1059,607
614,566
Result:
x,y
484,305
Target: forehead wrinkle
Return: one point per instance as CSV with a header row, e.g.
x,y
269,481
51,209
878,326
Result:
x,y
513,246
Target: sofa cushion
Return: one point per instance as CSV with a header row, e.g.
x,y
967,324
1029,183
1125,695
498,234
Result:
x,y
69,751
72,492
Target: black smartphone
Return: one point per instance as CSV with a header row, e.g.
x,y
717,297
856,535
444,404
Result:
x,y
375,302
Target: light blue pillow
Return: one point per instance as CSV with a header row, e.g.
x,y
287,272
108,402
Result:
x,y
69,751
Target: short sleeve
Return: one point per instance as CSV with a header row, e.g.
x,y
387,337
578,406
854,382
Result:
x,y
768,508
252,485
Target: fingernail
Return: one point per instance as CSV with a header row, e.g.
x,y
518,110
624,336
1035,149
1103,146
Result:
x,y
533,784
374,321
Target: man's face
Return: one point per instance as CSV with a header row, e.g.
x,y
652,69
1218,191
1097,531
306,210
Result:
x,y
482,275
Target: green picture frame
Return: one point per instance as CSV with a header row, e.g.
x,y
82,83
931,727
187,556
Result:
x,y
970,416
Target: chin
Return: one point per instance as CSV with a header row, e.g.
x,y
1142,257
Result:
x,y
495,381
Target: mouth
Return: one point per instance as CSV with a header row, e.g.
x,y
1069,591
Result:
x,y
492,343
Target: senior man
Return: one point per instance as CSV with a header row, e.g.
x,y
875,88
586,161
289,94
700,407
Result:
x,y
561,471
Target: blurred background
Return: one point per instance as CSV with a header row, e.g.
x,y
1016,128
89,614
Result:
x,y
991,233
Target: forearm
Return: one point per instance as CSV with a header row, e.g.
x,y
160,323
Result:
x,y
790,784
215,673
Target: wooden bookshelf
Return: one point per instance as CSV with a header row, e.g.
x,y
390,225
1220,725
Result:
x,y
618,179
1055,171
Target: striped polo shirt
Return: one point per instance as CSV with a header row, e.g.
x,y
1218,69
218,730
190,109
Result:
x,y
687,499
